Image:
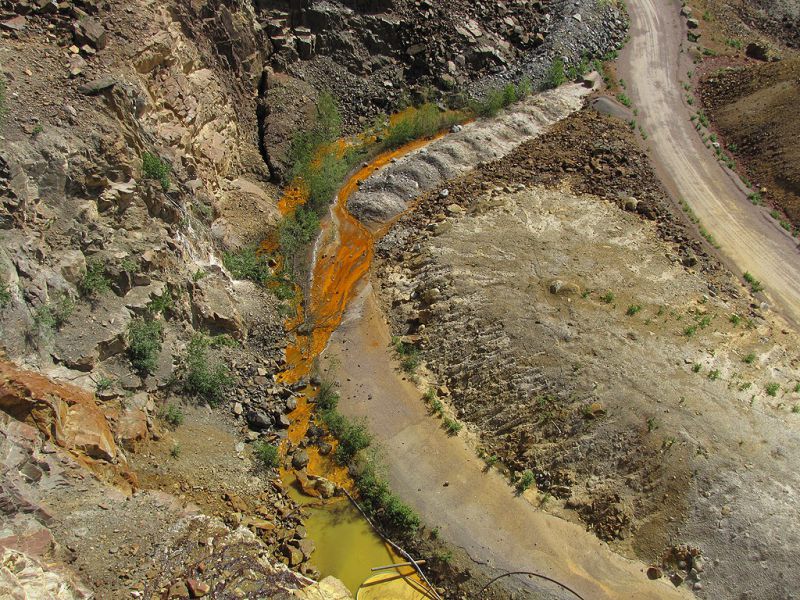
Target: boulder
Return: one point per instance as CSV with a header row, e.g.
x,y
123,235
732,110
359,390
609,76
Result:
x,y
92,334
72,266
213,307
300,459
90,31
258,420
65,414
762,51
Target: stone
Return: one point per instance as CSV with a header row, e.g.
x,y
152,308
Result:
x,y
237,409
178,590
762,51
90,31
291,404
213,307
17,23
197,589
258,420
654,573
98,85
692,23
72,266
300,459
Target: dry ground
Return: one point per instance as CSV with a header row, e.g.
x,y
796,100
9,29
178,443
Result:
x,y
578,345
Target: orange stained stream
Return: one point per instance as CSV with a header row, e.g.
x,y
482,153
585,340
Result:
x,y
343,256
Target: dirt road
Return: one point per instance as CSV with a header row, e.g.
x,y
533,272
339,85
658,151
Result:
x,y
653,66
445,482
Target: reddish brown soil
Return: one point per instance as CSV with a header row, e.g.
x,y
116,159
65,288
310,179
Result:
x,y
755,108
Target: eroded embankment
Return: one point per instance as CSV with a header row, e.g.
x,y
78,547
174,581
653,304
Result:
x,y
388,193
575,342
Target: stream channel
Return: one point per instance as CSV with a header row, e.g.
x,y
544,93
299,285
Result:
x,y
346,546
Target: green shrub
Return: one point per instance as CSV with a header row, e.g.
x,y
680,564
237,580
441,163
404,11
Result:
x,y
772,389
525,481
327,398
144,344
247,263
633,309
437,408
624,100
608,298
750,358
153,167
5,295
268,455
696,367
353,437
408,354
53,315
295,232
555,75
172,415
94,281
103,384
735,319
451,426
378,501
690,330
175,451
713,375
755,285
161,304
205,378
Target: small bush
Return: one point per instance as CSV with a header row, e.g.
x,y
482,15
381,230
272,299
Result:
x,y
198,275
144,344
175,451
327,398
161,304
295,232
247,264
750,358
94,281
353,437
696,367
172,415
437,408
205,378
525,481
53,315
451,426
772,389
633,309
5,295
409,355
735,319
690,330
624,100
378,500
268,455
555,75
755,285
103,384
608,297
155,168
713,375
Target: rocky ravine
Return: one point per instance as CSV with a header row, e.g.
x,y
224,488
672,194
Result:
x,y
607,353
92,240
